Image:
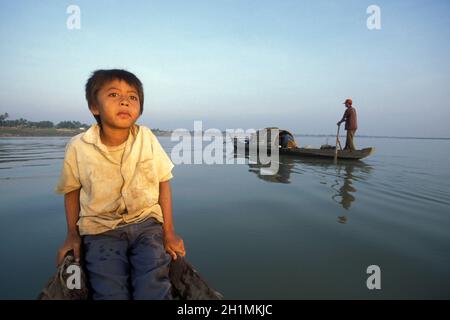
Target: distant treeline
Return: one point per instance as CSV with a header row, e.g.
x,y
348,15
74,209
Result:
x,y
23,123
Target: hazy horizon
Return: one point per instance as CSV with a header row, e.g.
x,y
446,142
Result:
x,y
236,64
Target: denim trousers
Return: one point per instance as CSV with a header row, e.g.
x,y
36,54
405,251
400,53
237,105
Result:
x,y
129,262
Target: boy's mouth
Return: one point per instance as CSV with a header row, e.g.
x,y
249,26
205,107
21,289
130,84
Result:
x,y
123,115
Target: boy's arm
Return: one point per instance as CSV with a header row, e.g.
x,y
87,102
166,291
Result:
x,y
165,201
72,207
172,243
73,240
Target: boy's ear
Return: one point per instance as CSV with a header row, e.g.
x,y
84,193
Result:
x,y
94,110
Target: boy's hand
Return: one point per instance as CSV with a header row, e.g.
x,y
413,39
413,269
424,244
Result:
x,y
173,245
73,242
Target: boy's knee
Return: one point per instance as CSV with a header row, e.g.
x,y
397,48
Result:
x,y
153,290
107,267
151,280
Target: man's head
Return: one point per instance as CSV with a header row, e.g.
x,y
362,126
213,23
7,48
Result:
x,y
348,103
115,97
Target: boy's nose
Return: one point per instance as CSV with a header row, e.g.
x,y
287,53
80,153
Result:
x,y
124,102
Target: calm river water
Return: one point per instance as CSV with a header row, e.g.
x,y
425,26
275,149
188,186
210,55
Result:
x,y
310,231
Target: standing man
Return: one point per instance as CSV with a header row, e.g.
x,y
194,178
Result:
x,y
350,124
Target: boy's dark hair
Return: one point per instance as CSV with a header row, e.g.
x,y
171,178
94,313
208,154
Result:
x,y
100,77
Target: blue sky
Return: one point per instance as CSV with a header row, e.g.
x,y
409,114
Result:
x,y
236,63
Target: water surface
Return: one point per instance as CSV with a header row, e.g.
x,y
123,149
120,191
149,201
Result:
x,y
308,232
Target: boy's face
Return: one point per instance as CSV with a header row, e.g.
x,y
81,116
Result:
x,y
117,105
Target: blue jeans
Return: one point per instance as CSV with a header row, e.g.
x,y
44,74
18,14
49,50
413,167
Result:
x,y
129,262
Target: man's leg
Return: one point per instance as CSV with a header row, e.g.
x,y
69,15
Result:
x,y
149,262
107,265
349,141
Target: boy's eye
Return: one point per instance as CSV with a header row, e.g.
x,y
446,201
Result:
x,y
113,94
133,98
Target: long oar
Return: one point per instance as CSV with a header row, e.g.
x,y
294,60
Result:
x,y
337,142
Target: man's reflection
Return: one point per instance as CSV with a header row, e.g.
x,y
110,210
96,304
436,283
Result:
x,y
344,188
344,191
344,174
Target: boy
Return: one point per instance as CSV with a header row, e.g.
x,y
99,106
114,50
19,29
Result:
x,y
115,181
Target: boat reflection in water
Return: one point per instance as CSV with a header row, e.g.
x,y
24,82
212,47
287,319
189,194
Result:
x,y
339,177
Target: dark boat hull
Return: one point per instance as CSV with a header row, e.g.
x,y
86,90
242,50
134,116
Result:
x,y
187,284
328,153
316,153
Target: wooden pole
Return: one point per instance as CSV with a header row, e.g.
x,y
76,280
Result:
x,y
337,142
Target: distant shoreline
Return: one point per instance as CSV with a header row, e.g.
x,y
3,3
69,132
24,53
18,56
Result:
x,y
12,132
370,137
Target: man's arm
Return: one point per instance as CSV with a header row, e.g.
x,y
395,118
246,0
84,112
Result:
x,y
344,118
73,240
172,243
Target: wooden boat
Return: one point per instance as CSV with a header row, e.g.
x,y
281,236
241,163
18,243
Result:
x,y
262,138
187,284
328,153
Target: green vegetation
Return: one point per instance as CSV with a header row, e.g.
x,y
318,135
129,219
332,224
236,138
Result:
x,y
24,128
23,123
